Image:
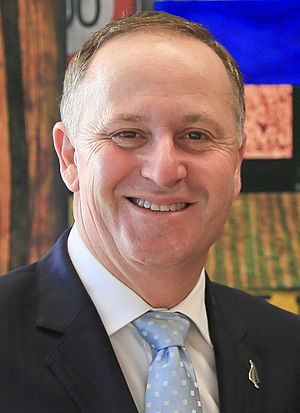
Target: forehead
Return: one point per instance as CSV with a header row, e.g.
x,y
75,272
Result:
x,y
158,75
157,53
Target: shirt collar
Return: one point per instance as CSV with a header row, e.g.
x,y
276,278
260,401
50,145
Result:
x,y
116,303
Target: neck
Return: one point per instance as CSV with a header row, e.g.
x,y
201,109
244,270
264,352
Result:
x,y
160,286
166,290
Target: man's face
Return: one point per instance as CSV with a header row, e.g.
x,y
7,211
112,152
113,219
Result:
x,y
156,157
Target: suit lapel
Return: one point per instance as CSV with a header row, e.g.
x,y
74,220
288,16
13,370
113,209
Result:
x,y
234,348
85,365
82,358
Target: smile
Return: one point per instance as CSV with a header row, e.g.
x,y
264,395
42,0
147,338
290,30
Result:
x,y
142,203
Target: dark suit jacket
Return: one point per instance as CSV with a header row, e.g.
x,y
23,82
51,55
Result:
x,y
55,355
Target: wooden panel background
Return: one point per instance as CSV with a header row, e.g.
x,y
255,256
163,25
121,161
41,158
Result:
x,y
5,184
259,248
33,208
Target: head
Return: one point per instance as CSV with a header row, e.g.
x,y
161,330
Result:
x,y
151,145
72,103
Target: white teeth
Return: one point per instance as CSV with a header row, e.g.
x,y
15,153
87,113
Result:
x,y
155,207
164,208
147,204
159,207
140,202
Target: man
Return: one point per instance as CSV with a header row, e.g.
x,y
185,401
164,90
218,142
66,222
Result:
x,y
151,144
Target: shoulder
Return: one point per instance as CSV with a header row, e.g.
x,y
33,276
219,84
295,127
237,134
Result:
x,y
256,313
17,278
17,286
23,281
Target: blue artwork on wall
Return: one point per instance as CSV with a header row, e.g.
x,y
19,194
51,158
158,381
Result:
x,y
262,35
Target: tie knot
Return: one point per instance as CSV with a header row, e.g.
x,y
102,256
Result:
x,y
162,329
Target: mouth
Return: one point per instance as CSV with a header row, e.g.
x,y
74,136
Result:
x,y
174,207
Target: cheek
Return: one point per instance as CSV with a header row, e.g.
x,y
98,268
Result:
x,y
220,177
223,164
107,170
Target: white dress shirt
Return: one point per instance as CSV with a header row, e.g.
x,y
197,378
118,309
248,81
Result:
x,y
118,306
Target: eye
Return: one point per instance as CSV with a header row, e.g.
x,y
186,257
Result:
x,y
127,134
196,135
128,139
196,139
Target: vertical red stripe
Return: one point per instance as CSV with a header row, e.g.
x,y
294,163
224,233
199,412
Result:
x,y
123,8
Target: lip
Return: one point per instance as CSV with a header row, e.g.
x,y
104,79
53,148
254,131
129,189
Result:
x,y
159,206
161,199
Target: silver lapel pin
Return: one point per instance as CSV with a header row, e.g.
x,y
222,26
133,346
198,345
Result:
x,y
253,375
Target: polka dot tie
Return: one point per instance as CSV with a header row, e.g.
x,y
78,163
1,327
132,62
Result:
x,y
171,385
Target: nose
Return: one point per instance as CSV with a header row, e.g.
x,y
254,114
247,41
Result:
x,y
164,163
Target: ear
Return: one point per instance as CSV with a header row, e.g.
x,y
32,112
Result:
x,y
67,158
237,177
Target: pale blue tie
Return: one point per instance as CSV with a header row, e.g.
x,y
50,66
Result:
x,y
171,384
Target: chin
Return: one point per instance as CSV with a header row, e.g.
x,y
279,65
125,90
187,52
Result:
x,y
158,257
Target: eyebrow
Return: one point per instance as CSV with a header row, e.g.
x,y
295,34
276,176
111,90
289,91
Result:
x,y
189,118
195,117
127,117
192,118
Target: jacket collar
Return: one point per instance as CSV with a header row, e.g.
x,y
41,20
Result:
x,y
60,292
235,353
82,358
